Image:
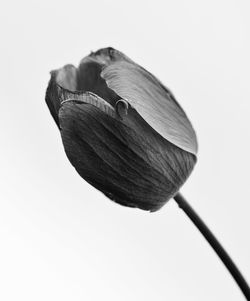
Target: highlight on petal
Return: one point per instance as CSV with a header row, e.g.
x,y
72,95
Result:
x,y
152,101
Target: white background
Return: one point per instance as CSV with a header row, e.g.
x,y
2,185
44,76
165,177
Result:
x,y
60,239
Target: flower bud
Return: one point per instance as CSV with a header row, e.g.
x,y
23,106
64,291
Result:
x,y
122,130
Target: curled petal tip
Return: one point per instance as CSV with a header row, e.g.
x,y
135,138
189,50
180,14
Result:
x,y
121,108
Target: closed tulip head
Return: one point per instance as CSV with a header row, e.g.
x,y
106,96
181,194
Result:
x,y
122,129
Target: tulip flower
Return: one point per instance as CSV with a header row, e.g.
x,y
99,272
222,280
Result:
x,y
126,135
122,129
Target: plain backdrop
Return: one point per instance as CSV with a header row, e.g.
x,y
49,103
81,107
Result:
x,y
60,239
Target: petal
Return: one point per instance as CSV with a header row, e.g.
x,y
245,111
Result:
x,y
89,79
63,86
62,80
152,101
136,170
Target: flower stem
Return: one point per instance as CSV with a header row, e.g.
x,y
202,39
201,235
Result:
x,y
214,243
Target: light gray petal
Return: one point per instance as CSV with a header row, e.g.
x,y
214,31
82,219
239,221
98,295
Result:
x,y
152,101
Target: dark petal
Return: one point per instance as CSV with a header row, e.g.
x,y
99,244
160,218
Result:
x,y
89,79
52,99
129,167
108,55
61,81
152,101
